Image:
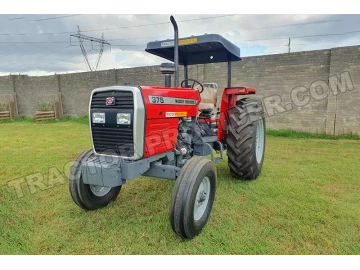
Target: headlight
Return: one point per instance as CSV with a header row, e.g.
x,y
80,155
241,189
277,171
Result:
x,y
123,118
98,118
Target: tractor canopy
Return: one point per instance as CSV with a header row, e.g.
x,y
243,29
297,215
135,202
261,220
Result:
x,y
203,49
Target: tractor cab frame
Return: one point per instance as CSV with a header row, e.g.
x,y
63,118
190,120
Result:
x,y
203,49
155,131
196,50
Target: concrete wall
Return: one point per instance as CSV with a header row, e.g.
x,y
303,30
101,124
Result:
x,y
76,89
6,90
346,106
315,91
278,75
30,91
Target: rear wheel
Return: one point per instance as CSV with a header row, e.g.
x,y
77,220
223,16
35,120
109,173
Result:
x,y
193,197
89,197
246,139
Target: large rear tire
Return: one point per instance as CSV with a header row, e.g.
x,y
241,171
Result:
x,y
193,197
89,197
246,139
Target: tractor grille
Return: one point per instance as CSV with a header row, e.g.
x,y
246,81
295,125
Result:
x,y
123,100
113,139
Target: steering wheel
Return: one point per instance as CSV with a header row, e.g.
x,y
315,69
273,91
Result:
x,y
183,85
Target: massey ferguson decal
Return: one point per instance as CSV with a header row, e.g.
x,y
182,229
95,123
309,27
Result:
x,y
110,101
171,101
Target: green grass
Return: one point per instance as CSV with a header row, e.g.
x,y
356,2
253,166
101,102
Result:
x,y
306,201
80,120
288,133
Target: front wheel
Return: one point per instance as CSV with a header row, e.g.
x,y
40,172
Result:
x,y
193,197
89,197
246,139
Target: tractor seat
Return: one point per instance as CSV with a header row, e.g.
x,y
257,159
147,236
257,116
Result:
x,y
208,99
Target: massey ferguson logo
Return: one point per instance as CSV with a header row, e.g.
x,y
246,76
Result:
x,y
110,101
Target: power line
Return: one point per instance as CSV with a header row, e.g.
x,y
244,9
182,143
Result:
x,y
309,36
127,45
53,52
26,42
54,18
116,28
18,56
42,56
269,39
27,54
57,42
16,18
294,24
7,55
264,39
63,59
257,28
161,23
319,43
26,64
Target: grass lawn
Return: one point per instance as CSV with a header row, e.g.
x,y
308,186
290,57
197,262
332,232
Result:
x,y
306,201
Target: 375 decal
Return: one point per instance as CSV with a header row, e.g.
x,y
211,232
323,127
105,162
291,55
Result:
x,y
171,100
156,99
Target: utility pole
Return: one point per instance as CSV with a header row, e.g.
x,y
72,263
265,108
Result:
x,y
101,41
289,46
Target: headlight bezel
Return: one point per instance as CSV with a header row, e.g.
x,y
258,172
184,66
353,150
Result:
x,y
98,115
123,118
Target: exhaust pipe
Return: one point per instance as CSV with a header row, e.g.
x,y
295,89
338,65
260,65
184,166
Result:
x,y
176,50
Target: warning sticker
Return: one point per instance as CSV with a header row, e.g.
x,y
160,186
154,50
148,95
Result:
x,y
181,42
176,114
188,41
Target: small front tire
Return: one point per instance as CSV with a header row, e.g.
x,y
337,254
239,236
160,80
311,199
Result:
x,y
193,197
89,197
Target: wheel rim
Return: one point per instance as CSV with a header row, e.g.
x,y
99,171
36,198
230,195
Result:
x,y
99,191
202,198
260,135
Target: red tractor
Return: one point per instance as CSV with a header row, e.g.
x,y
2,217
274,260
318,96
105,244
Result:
x,y
161,132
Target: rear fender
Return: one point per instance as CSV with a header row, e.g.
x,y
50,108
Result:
x,y
228,100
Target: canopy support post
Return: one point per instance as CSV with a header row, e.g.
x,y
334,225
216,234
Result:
x,y
176,51
229,73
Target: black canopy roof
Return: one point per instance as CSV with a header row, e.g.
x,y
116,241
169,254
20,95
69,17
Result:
x,y
204,49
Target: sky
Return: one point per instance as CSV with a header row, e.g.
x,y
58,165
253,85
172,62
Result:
x,y
41,44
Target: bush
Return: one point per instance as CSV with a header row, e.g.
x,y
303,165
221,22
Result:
x,y
4,106
45,106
